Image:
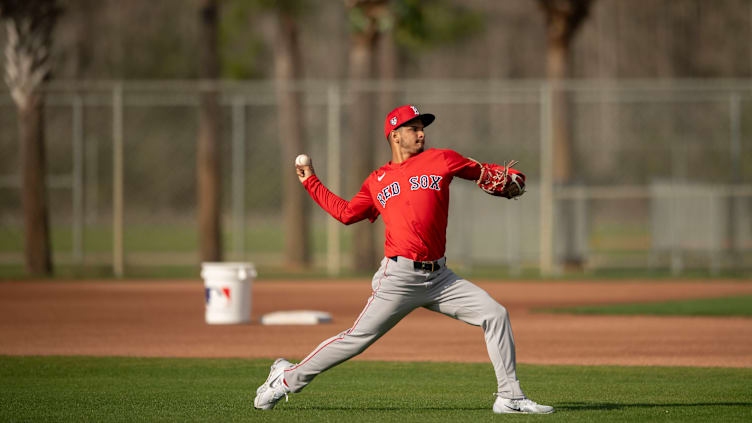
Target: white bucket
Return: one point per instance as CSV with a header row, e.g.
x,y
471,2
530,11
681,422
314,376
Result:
x,y
227,287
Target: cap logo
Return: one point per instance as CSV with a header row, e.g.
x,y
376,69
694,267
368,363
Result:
x,y
415,110
393,120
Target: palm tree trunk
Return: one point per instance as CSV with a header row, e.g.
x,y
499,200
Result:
x,y
295,205
360,139
557,64
563,18
387,56
208,154
364,36
29,28
38,256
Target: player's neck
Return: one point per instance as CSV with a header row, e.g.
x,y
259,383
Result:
x,y
399,155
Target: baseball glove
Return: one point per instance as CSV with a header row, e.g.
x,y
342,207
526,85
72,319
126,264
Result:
x,y
501,181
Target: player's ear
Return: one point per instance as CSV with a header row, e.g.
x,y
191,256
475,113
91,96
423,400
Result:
x,y
394,136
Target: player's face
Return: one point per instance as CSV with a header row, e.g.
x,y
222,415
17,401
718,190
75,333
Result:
x,y
412,137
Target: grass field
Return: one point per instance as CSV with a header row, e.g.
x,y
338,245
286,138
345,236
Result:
x,y
150,389
727,306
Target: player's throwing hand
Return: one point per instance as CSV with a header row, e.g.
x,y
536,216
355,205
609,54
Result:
x,y
304,167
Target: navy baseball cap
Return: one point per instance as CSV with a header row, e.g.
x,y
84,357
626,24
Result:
x,y
402,114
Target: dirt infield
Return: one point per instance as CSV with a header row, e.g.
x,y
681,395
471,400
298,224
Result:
x,y
167,319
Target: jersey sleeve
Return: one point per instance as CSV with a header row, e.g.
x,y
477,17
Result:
x,y
358,208
461,166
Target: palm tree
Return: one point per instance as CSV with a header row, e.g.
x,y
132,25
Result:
x,y
364,17
288,69
29,26
563,18
208,155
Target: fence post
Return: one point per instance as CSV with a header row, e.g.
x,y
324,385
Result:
x,y
238,175
715,246
677,263
736,179
117,181
546,184
333,170
92,180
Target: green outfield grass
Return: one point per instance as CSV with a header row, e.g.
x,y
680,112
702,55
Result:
x,y
150,389
725,306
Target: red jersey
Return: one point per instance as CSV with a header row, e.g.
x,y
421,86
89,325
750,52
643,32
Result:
x,y
412,197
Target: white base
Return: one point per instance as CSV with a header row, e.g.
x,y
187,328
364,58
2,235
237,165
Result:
x,y
296,317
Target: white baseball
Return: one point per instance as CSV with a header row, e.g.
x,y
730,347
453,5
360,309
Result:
x,y
302,160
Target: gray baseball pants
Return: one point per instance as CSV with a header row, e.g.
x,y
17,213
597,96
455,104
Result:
x,y
399,289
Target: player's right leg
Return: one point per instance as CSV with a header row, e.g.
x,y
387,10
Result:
x,y
388,304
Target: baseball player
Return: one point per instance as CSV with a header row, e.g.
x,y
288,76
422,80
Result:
x,y
411,193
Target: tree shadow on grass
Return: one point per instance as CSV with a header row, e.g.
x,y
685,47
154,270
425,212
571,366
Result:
x,y
582,406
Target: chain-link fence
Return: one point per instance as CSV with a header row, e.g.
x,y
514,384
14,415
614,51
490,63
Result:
x,y
662,172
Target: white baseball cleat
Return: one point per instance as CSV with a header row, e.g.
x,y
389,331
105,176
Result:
x,y
519,406
274,388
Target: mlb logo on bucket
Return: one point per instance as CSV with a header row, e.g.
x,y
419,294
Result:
x,y
218,297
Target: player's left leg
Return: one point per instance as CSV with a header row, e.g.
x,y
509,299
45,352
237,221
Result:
x,y
463,300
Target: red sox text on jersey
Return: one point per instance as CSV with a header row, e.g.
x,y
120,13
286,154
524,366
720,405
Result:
x,y
416,182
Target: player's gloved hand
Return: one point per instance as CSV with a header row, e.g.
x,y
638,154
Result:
x,y
501,181
304,172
